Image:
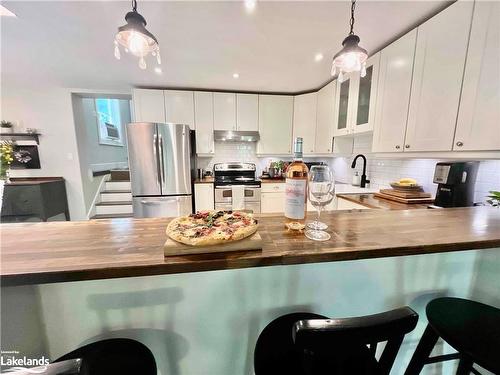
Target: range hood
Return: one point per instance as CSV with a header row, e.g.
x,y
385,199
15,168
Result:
x,y
236,136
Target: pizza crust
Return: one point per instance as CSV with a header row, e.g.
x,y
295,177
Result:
x,y
210,228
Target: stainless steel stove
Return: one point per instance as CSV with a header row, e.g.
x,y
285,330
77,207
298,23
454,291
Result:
x,y
227,175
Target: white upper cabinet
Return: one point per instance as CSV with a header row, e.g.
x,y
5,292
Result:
x,y
275,124
437,78
179,107
224,111
325,119
247,112
393,94
204,120
355,100
304,120
343,111
149,105
478,126
364,96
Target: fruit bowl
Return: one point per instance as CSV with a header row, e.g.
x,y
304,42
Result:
x,y
406,187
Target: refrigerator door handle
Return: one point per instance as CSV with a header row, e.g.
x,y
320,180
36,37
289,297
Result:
x,y
157,157
162,165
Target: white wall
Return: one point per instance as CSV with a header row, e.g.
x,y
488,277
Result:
x,y
50,111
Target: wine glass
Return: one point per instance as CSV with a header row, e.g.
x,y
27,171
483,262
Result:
x,y
321,193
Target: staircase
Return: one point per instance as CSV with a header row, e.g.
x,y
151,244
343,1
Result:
x,y
116,198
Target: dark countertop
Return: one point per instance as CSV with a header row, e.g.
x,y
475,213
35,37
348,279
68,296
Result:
x,y
32,180
204,180
370,201
35,253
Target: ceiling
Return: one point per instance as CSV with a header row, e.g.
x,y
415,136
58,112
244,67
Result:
x,y
70,44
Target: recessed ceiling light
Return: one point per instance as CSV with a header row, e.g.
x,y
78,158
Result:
x,y
236,75
5,12
250,5
158,70
318,57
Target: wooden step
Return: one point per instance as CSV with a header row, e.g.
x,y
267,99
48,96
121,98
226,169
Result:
x,y
111,216
115,191
120,175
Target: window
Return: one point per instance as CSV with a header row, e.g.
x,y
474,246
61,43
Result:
x,y
109,122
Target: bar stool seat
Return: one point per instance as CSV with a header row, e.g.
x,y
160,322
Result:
x,y
471,328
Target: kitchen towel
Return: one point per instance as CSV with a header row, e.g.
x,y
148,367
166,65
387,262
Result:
x,y
238,194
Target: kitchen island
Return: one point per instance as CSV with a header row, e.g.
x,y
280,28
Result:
x,y
70,251
199,322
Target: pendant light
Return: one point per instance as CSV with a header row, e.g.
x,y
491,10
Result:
x,y
136,39
351,58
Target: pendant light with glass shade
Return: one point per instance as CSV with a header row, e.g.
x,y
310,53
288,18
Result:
x,y
136,39
351,58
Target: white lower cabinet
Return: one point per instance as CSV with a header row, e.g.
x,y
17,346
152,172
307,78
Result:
x,y
272,198
478,125
203,197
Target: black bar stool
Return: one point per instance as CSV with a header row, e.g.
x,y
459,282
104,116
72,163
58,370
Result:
x,y
306,343
471,328
114,356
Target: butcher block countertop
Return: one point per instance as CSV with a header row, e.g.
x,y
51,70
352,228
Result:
x,y
35,253
371,201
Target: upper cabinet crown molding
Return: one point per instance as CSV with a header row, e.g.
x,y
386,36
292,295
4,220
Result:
x,y
149,105
437,78
478,125
393,94
179,107
304,120
224,111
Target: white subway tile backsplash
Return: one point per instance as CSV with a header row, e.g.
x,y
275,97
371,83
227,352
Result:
x,y
381,172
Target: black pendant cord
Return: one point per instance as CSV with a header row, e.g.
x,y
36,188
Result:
x,y
353,7
134,5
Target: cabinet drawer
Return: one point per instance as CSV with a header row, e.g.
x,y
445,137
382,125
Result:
x,y
273,187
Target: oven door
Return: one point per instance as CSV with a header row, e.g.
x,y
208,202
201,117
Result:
x,y
224,194
252,207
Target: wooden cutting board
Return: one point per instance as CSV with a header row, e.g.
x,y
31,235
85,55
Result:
x,y
405,194
173,248
404,200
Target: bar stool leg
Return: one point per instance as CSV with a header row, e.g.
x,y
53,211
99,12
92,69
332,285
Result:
x,y
464,366
423,351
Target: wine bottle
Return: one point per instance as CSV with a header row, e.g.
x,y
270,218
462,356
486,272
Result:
x,y
296,190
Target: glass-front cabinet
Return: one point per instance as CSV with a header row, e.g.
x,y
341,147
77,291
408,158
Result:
x,y
355,99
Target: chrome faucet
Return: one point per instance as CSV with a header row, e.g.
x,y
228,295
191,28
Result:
x,y
364,181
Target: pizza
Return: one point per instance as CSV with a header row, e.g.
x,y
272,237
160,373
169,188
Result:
x,y
208,228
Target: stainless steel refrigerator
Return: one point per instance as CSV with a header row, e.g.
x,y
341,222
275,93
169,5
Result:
x,y
160,160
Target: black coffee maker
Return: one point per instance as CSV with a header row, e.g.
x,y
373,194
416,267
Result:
x,y
456,180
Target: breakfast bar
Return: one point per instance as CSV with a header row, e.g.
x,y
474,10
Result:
x,y
70,283
88,250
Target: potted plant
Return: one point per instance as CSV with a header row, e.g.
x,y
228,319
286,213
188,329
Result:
x,y
6,157
6,127
494,198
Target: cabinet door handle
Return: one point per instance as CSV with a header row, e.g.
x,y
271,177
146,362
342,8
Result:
x,y
460,144
407,146
398,147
